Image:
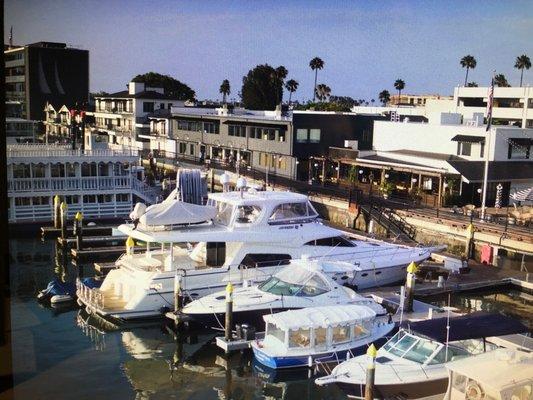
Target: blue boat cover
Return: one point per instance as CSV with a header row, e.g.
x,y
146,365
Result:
x,y
471,326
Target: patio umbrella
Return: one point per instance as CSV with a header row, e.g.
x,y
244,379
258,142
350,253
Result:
x,y
498,201
522,195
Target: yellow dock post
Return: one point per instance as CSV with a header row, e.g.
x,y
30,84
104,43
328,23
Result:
x,y
129,245
63,209
57,212
229,312
370,372
78,230
410,286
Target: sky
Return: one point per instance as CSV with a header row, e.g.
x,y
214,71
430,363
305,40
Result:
x,y
365,45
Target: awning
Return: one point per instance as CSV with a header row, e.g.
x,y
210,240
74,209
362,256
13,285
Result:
x,y
257,124
468,139
500,171
321,317
471,326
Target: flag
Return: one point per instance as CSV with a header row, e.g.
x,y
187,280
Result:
x,y
489,105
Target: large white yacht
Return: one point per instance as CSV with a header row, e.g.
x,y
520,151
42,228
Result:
x,y
237,236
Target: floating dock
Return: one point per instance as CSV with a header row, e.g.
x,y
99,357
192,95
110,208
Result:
x,y
97,230
93,241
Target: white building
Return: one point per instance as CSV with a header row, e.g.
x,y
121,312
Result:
x,y
123,116
20,130
98,181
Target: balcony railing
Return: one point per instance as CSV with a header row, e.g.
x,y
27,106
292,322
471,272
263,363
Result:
x,y
86,183
43,150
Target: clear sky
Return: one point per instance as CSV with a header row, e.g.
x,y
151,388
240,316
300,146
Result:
x,y
366,45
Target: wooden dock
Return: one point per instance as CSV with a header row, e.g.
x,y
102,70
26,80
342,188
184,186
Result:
x,y
104,267
94,241
97,230
99,253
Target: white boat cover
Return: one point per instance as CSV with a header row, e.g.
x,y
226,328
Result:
x,y
176,213
320,317
299,272
138,211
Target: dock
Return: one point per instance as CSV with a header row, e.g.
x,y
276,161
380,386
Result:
x,y
99,253
97,230
94,241
104,267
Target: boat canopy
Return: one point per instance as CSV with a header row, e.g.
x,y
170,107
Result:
x,y
320,317
176,213
471,326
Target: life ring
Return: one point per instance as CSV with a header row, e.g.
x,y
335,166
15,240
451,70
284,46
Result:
x,y
473,391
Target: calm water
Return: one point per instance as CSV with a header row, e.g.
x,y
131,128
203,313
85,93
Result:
x,y
62,353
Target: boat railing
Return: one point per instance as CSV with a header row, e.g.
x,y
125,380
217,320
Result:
x,y
92,297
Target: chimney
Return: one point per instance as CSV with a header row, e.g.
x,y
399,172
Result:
x,y
135,87
277,112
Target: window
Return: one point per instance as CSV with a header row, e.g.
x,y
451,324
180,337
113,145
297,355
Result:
x,y
191,149
122,197
519,148
88,169
360,331
265,260
275,332
183,148
38,170
21,171
269,134
225,211
314,135
189,125
289,211
320,337
72,199
281,136
336,241
247,214
22,201
57,170
162,106
237,130
41,201
211,127
71,170
89,198
105,198
301,135
148,106
341,334
300,338
464,148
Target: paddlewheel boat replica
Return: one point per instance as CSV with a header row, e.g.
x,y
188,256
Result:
x,y
237,236
413,362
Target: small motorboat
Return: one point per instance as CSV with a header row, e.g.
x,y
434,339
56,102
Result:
x,y
302,284
496,375
413,362
310,336
57,292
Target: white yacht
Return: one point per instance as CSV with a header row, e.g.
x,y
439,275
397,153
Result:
x,y
301,284
236,236
413,362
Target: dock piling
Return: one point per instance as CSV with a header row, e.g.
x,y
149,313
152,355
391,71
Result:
x,y
130,244
178,299
370,372
57,212
469,244
78,230
63,211
229,312
410,286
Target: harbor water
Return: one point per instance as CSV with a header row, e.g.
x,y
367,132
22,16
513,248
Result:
x,y
62,353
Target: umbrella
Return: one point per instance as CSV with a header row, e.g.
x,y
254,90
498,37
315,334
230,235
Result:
x,y
498,201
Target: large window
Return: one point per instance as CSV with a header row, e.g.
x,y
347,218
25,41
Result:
x,y
183,148
265,260
237,130
38,170
335,241
188,125
148,106
21,171
301,135
464,148
300,338
211,127
519,148
341,334
314,135
247,214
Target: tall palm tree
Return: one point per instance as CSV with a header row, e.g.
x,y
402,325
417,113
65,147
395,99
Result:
x,y
501,81
323,91
225,90
384,97
468,62
292,86
522,62
316,64
399,86
472,84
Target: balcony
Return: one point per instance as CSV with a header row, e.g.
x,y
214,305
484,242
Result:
x,y
15,79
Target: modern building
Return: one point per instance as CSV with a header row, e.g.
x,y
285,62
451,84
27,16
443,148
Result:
x,y
46,72
20,130
123,116
100,181
416,100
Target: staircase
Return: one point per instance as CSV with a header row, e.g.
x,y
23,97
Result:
x,y
146,192
392,222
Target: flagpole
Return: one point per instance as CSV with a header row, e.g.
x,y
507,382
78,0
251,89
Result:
x,y
487,146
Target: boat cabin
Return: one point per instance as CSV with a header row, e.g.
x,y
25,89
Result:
x,y
316,329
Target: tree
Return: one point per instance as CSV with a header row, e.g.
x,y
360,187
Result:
x,y
522,62
384,97
468,62
316,64
501,81
323,91
171,86
399,85
278,77
292,86
225,89
259,91
472,84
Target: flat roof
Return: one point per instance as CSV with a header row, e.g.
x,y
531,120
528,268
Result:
x,y
473,171
237,114
145,94
235,196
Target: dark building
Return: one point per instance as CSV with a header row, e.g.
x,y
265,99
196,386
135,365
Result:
x,y
46,72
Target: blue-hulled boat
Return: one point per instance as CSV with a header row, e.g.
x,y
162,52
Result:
x,y
305,337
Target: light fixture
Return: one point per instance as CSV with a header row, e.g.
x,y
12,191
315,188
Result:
x,y
360,172
297,162
479,190
386,176
336,168
414,180
316,164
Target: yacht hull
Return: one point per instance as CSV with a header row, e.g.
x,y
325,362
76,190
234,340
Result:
x,y
414,390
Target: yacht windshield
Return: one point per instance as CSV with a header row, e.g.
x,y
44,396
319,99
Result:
x,y
312,287
247,214
224,213
291,211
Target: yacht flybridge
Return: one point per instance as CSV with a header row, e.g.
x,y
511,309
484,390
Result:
x,y
237,236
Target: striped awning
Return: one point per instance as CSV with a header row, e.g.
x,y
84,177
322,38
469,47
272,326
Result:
x,y
522,195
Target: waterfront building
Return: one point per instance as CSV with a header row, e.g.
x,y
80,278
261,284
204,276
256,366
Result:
x,y
416,100
56,123
44,72
99,181
123,116
20,130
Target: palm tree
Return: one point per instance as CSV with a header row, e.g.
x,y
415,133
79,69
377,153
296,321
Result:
x,y
225,90
522,62
292,86
501,81
384,97
472,84
399,85
316,64
278,76
323,91
468,62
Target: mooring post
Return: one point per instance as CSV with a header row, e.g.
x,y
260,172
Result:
x,y
410,286
78,230
63,209
178,298
229,312
57,212
370,372
469,243
129,245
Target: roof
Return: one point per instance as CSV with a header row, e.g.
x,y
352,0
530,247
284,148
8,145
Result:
x,y
473,171
468,138
145,94
497,369
471,326
235,196
375,157
235,114
427,154
320,317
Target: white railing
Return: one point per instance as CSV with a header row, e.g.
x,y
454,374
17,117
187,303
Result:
x,y
147,192
91,297
70,184
44,150
89,210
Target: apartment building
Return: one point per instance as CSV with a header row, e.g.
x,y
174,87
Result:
x,y
44,72
418,100
123,115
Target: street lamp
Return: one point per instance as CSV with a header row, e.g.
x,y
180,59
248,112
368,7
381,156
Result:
x,y
386,176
